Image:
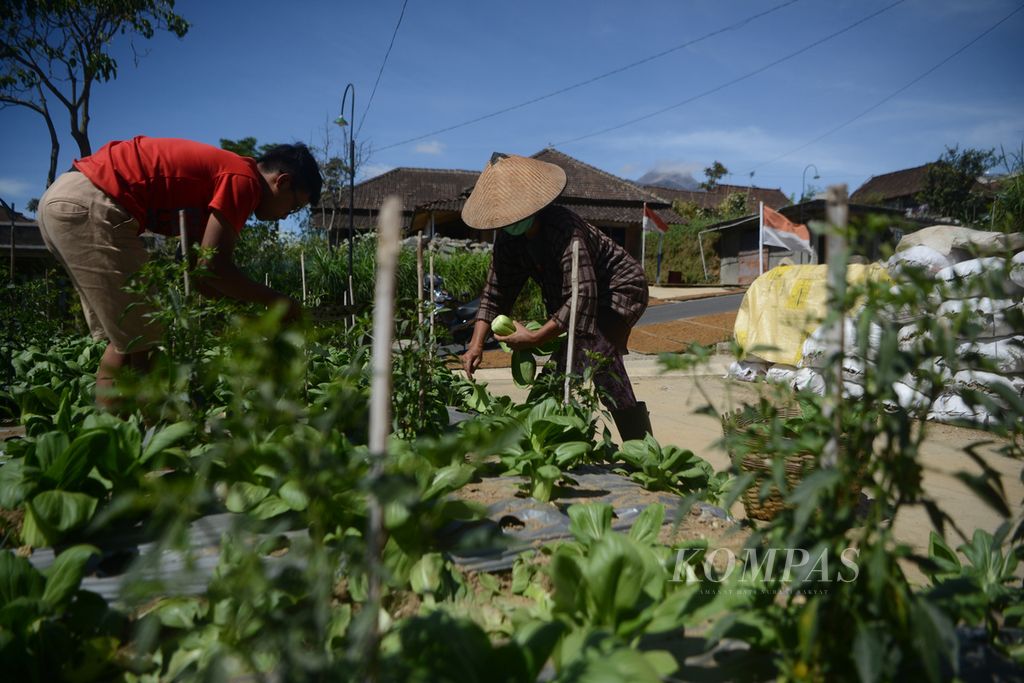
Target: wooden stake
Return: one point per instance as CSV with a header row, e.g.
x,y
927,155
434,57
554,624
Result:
x,y
184,249
389,231
837,212
302,269
419,278
432,304
573,301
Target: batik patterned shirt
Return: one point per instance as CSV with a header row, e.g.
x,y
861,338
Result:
x,y
610,280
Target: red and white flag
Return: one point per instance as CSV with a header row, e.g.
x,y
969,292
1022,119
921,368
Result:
x,y
779,231
652,220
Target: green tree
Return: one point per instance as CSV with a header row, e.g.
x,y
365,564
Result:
x,y
55,51
714,173
950,185
1008,205
246,147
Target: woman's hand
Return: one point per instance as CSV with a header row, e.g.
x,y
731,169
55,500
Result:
x,y
519,340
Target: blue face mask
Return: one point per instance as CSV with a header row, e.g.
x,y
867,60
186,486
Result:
x,y
519,227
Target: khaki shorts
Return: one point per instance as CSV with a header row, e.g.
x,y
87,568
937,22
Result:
x,y
97,242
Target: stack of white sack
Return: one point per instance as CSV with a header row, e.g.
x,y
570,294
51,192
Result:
x,y
749,370
820,356
977,291
978,294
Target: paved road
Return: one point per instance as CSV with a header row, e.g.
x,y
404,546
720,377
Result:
x,y
677,310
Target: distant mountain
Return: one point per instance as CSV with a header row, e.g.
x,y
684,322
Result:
x,y
673,179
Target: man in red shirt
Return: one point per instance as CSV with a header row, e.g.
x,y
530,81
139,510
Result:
x,y
92,217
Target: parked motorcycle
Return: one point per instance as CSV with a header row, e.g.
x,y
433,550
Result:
x,y
459,319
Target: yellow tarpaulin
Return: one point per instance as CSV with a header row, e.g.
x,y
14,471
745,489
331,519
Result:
x,y
783,306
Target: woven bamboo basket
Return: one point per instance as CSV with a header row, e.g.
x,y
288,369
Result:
x,y
747,451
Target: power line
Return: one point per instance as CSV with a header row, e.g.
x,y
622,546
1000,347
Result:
x,y
734,81
381,71
580,84
896,92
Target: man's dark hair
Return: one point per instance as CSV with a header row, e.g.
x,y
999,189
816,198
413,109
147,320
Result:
x,y
299,162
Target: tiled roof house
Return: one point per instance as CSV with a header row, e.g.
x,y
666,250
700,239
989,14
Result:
x,y
606,201
896,190
433,199
414,186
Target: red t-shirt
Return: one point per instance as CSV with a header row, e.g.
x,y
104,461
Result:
x,y
154,178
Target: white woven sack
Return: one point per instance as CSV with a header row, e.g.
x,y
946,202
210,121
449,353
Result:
x,y
990,315
908,312
911,337
1017,269
780,373
910,399
950,407
968,278
808,379
746,371
980,380
920,257
815,352
1005,355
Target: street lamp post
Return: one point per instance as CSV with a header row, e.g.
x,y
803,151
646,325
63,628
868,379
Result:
x,y
803,180
350,123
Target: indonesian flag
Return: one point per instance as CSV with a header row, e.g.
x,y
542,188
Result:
x,y
652,220
779,231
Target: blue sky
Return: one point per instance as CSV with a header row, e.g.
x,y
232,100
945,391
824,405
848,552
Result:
x,y
277,71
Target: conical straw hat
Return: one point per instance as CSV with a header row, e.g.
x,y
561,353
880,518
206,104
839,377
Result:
x,y
510,189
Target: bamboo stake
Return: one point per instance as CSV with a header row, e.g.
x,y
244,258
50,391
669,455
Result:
x,y
432,304
184,249
388,234
419,278
837,212
302,269
573,301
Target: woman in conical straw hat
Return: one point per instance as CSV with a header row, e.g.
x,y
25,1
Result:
x,y
515,195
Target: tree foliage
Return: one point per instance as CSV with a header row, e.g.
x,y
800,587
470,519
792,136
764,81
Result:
x,y
950,186
713,174
1008,205
246,147
55,51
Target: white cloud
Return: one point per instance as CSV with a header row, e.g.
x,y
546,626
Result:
x,y
12,187
682,167
431,147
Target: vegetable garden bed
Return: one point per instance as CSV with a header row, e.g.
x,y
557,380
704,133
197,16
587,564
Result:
x,y
220,527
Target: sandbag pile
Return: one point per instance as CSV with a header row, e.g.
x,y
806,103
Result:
x,y
971,290
977,296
